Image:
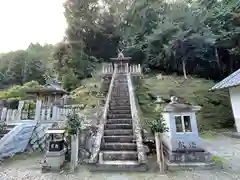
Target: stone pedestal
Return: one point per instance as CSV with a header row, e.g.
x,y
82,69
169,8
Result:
x,y
55,159
38,110
19,111
4,114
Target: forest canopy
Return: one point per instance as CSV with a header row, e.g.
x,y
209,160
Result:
x,y
197,37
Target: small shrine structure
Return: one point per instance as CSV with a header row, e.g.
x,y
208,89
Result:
x,y
182,143
49,99
122,65
50,93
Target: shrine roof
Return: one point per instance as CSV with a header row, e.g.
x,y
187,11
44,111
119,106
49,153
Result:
x,y
230,81
47,89
121,59
180,107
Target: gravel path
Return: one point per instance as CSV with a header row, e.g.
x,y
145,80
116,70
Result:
x,y
225,147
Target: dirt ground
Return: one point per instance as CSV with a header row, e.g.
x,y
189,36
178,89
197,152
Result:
x,y
228,149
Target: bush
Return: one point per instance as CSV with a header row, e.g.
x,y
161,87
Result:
x,y
18,92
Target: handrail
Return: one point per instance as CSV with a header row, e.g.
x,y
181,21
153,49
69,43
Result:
x,y
100,132
136,122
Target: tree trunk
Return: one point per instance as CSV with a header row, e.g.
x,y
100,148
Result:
x,y
217,58
184,69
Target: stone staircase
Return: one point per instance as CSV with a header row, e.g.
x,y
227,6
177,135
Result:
x,y
118,151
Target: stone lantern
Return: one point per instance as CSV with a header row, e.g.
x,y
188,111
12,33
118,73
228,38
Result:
x,y
182,143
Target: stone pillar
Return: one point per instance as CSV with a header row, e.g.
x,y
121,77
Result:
x,y
139,68
38,110
103,69
127,68
43,117
58,114
19,111
74,151
48,118
9,116
54,113
4,114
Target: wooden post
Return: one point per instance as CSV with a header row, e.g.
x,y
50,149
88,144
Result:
x,y
74,151
158,151
161,150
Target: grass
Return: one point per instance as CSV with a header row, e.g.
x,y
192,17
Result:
x,y
216,109
86,94
208,135
218,159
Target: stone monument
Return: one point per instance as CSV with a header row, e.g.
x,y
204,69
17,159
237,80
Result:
x,y
182,143
55,155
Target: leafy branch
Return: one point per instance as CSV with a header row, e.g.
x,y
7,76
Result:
x,y
74,123
158,125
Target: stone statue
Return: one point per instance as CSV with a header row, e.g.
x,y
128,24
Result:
x,y
120,54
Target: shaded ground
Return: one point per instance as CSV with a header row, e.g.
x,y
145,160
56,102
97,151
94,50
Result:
x,y
227,148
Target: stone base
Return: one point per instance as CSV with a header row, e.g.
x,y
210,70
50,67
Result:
x,y
173,166
119,166
54,160
187,156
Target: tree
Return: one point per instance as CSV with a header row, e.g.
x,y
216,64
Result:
x,y
158,126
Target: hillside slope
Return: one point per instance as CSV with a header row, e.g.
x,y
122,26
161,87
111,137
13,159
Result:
x,y
216,109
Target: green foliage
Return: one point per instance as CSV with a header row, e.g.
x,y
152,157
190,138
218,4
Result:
x,y
18,92
86,93
22,66
70,81
74,123
216,108
158,125
203,36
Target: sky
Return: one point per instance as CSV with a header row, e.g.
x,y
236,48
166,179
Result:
x,y
30,21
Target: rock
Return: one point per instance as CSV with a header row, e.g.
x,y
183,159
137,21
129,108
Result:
x,y
152,96
159,77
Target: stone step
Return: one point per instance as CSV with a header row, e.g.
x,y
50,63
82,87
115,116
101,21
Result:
x,y
121,139
124,107
119,146
119,166
119,121
120,155
118,126
115,132
119,96
120,99
119,116
120,111
119,104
